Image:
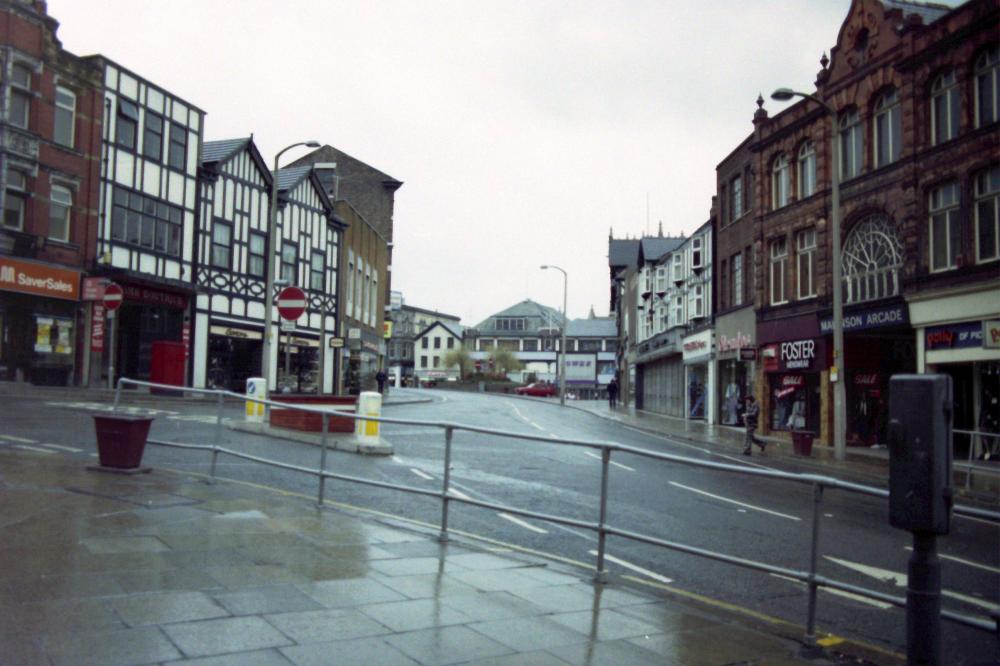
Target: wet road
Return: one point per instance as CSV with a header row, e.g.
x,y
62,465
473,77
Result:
x,y
746,517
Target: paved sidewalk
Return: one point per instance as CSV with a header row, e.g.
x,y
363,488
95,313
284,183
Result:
x,y
163,567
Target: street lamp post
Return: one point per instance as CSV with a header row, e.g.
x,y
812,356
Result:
x,y
562,344
272,230
838,369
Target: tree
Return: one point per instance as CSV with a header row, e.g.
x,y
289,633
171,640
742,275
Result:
x,y
460,357
505,362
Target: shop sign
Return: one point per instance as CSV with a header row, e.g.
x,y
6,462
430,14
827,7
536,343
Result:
x,y
881,317
240,333
186,337
149,296
93,288
581,368
302,342
738,341
386,329
39,279
991,334
336,343
370,346
954,336
97,329
748,354
697,345
866,379
798,354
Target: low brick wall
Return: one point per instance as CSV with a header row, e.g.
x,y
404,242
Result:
x,y
295,419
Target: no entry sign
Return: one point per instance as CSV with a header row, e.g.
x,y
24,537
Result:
x,y
113,297
291,303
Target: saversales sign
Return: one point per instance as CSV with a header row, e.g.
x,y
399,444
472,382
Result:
x,y
40,279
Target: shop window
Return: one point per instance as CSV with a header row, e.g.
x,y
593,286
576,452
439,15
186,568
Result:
x,y
53,335
945,108
807,170
222,244
888,128
15,201
851,144
794,402
60,205
945,229
177,157
872,256
732,390
317,271
257,255
126,122
19,112
805,242
65,117
987,85
737,272
152,137
987,193
779,267
779,182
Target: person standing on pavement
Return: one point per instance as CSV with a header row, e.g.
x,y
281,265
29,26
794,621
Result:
x,y
613,393
750,417
380,377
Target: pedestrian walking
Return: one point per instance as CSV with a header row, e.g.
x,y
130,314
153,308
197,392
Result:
x,y
613,393
750,417
380,377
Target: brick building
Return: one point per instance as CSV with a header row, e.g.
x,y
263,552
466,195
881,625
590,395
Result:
x,y
50,140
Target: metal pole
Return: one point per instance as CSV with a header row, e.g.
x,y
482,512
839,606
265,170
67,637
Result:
x,y
111,349
118,396
839,386
810,638
443,537
562,345
601,576
923,602
322,462
217,438
272,246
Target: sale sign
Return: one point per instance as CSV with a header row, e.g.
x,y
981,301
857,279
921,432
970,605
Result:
x,y
97,325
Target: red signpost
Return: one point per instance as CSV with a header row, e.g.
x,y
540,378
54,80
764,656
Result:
x,y
113,296
291,303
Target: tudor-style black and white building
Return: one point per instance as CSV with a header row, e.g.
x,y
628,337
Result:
x,y
145,238
235,186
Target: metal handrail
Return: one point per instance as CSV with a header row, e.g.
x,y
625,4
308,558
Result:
x,y
973,436
819,483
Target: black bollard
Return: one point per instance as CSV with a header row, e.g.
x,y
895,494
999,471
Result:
x,y
923,602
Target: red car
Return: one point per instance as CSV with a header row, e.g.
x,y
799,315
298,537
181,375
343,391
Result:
x,y
539,389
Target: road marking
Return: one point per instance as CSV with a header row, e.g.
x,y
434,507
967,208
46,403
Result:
x,y
710,452
732,501
978,520
899,579
960,560
637,569
524,418
525,525
421,474
840,593
71,449
23,440
594,455
25,447
458,493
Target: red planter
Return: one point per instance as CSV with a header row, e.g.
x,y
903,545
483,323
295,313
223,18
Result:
x,y
121,439
802,442
294,419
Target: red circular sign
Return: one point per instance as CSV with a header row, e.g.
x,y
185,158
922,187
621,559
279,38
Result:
x,y
291,303
113,296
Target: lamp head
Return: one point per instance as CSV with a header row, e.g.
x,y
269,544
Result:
x,y
544,267
782,94
312,144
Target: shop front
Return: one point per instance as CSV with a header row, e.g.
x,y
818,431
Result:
x,y
659,375
361,361
298,361
147,315
967,349
794,359
234,354
735,354
699,376
38,322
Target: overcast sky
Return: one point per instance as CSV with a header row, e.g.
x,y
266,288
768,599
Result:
x,y
523,131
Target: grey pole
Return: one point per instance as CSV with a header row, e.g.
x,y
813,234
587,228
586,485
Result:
x,y
562,343
272,230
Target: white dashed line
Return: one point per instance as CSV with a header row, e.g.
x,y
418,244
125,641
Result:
x,y
965,562
421,474
628,565
525,525
524,418
841,593
732,501
458,493
23,440
25,447
594,455
70,449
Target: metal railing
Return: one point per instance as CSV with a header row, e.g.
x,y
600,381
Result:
x,y
977,442
819,484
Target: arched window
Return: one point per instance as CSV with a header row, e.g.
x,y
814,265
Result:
x,y
851,144
987,75
946,108
871,259
888,128
807,170
779,182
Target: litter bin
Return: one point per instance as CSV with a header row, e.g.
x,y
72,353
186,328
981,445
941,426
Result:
x,y
121,439
802,442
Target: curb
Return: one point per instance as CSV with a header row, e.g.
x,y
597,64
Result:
x,y
334,441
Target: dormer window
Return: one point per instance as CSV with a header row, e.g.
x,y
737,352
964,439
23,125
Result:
x,y
697,253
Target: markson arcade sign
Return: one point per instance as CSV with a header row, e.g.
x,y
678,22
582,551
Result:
x,y
886,316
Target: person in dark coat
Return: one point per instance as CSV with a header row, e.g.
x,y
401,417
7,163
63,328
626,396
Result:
x,y
613,393
750,417
380,378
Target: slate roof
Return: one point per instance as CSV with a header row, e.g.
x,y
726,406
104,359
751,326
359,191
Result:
x,y
652,249
623,252
927,11
219,151
289,177
526,308
598,327
455,329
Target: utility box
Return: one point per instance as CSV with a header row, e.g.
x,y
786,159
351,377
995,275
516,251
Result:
x,y
920,453
369,404
256,388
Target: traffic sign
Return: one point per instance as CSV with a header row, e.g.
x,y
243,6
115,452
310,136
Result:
x,y
113,297
291,303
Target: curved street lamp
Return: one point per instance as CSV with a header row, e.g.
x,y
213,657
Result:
x,y
839,384
562,344
272,230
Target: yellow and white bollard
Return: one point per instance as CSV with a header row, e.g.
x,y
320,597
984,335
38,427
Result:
x,y
369,404
256,388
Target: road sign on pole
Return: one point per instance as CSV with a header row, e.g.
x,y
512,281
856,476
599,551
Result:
x,y
113,296
291,303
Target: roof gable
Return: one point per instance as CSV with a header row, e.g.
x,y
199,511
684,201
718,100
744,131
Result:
x,y
214,154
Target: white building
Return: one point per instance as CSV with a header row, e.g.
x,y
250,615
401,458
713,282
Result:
x,y
431,346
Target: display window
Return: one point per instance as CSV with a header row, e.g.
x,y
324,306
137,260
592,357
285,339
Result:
x,y
732,391
794,402
53,335
696,391
867,406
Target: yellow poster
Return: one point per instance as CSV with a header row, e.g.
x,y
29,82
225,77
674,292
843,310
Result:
x,y
43,339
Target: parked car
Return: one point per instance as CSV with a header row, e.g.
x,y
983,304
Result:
x,y
539,389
